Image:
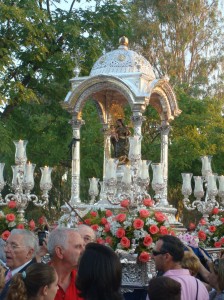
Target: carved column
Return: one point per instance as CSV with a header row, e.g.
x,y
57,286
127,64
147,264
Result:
x,y
107,146
165,129
75,189
137,120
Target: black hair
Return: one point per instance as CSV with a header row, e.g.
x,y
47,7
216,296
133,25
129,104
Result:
x,y
173,246
99,273
164,288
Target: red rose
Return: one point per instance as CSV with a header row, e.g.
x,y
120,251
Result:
x,y
153,229
125,203
144,213
147,240
171,232
87,221
10,217
217,245
202,221
93,213
32,225
5,235
191,226
163,230
108,213
215,211
100,241
103,221
222,240
11,204
148,202
212,228
107,227
20,226
202,235
95,227
222,220
138,224
125,242
160,217
144,257
121,218
109,240
41,220
120,233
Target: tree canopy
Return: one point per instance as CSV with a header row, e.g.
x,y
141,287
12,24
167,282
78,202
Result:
x,y
40,46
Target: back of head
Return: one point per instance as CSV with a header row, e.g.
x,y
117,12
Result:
x,y
57,237
29,238
27,284
191,262
173,246
99,273
164,288
218,267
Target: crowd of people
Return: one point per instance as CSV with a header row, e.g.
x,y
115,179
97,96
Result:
x,y
80,269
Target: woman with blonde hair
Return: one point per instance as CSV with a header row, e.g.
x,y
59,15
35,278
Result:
x,y
191,262
38,282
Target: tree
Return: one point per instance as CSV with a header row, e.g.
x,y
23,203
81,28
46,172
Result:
x,y
40,44
180,38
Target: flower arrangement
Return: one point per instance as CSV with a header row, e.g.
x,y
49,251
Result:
x,y
9,221
209,232
134,232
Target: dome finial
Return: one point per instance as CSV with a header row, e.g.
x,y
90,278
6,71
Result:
x,y
123,41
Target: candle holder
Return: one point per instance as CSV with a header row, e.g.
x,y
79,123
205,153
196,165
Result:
x,y
93,189
205,189
158,184
23,182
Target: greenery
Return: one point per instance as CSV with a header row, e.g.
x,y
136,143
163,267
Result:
x,y
40,44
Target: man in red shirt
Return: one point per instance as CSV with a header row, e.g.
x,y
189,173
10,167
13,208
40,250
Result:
x,y
65,245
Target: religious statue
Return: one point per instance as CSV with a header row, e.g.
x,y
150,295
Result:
x,y
120,141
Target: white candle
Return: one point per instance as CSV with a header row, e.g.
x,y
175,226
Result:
x,y
198,184
29,169
20,149
145,169
221,183
46,175
127,175
15,170
157,174
111,168
2,165
212,183
93,185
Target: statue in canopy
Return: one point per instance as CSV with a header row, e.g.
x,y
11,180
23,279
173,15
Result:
x,y
120,141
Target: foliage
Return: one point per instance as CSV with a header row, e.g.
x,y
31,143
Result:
x,y
134,232
180,38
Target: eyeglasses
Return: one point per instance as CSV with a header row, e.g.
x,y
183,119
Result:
x,y
155,253
12,246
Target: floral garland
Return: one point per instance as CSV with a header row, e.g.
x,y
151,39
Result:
x,y
208,233
9,221
132,232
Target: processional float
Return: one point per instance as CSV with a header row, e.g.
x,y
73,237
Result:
x,y
119,78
